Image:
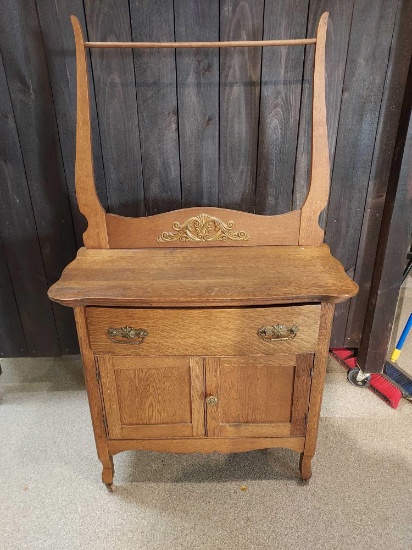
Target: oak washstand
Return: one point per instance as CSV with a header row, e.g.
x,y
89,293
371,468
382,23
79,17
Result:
x,y
204,329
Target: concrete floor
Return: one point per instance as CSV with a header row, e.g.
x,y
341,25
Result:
x,y
51,496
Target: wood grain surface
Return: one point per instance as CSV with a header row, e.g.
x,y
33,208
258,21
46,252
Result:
x,y
203,331
59,45
198,95
197,388
206,444
212,382
157,103
254,396
240,70
301,393
33,115
317,199
254,390
390,121
337,39
255,230
366,66
23,270
12,341
203,277
114,82
318,381
148,397
394,243
96,403
281,84
89,203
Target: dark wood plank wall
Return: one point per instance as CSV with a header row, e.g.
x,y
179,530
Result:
x,y
366,66
59,45
394,237
12,340
282,72
227,128
198,95
49,243
153,20
114,79
339,27
240,70
385,144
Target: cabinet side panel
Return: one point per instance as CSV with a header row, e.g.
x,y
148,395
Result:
x,y
301,389
318,380
93,391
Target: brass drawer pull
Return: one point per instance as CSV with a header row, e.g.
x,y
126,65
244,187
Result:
x,y
128,334
277,332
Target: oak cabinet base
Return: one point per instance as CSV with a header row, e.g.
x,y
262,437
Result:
x,y
169,397
185,404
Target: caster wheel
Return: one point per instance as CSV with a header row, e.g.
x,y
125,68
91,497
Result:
x,y
352,378
109,487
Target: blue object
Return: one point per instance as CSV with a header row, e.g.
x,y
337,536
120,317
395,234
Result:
x,y
397,351
400,378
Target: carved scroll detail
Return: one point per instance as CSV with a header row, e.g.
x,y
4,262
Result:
x,y
203,228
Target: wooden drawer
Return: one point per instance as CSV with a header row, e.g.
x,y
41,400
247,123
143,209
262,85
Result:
x,y
203,332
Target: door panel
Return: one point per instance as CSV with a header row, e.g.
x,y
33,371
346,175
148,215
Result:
x,y
257,396
153,397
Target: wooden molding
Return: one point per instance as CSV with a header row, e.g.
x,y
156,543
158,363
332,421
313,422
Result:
x,y
317,199
246,229
220,44
206,444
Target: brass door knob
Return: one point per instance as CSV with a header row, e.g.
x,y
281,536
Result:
x,y
211,400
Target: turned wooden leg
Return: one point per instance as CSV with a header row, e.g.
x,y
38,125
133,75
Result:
x,y
108,469
107,472
305,466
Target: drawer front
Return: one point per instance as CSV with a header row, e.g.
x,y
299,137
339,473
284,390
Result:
x,y
203,332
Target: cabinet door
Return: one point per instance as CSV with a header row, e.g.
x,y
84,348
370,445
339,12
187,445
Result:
x,y
258,396
153,397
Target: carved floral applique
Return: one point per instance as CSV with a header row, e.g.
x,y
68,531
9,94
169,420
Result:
x,y
203,228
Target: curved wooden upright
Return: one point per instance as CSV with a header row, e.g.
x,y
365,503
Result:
x,y
202,226
95,235
310,232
